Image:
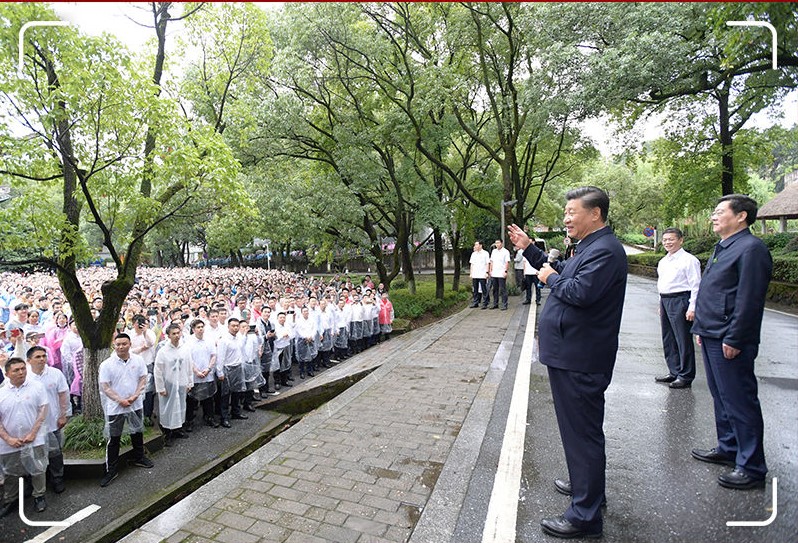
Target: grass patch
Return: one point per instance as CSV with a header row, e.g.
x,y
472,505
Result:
x,y
84,439
423,304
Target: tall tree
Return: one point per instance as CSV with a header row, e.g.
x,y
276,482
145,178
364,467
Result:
x,y
92,124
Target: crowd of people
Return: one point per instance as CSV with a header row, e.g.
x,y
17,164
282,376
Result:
x,y
187,339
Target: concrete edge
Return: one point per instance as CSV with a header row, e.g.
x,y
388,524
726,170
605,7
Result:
x,y
438,521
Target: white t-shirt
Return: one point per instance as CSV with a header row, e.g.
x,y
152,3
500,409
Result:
x,y
54,383
479,264
19,408
123,377
200,353
499,259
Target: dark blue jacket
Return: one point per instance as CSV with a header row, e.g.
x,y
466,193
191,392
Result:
x,y
579,324
731,297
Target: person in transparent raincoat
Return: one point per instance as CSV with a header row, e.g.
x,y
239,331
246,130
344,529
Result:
x,y
173,378
23,435
306,346
202,354
252,375
356,325
341,325
122,379
326,328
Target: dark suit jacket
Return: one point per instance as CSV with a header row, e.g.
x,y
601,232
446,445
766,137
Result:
x,y
731,297
579,324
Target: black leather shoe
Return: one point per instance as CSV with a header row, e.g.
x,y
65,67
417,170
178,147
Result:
x,y
680,383
739,480
239,417
563,487
526,302
484,307
249,408
562,528
713,456
494,307
665,378
472,306
225,423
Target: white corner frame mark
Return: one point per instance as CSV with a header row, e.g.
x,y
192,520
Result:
x,y
768,520
25,27
773,35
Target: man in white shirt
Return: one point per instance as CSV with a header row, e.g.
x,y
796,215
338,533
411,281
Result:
x,y
58,407
679,274
122,379
229,367
479,262
23,429
203,365
143,343
498,268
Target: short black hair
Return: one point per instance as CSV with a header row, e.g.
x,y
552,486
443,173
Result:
x,y
123,336
673,230
739,203
11,361
591,197
33,349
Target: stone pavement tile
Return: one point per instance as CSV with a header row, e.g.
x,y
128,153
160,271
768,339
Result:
x,y
399,518
360,524
194,538
337,533
292,507
202,527
277,479
335,518
343,494
310,487
357,509
372,489
369,538
306,475
320,500
305,538
296,455
234,520
316,513
177,537
380,503
338,482
275,467
291,494
395,533
229,535
269,530
329,470
291,464
408,497
211,513
256,486
297,523
268,514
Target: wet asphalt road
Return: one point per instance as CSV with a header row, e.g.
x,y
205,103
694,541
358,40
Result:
x,y
656,491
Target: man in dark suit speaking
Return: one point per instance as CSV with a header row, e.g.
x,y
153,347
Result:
x,y
728,318
578,333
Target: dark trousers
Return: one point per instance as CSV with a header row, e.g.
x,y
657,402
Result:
x,y
231,404
519,278
531,282
677,341
116,423
579,405
738,415
55,466
499,289
480,289
191,407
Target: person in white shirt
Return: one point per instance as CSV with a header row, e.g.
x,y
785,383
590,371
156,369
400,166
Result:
x,y
499,266
341,325
531,282
229,366
479,262
122,379
306,349
679,274
326,323
173,378
282,342
143,343
58,410
23,430
202,355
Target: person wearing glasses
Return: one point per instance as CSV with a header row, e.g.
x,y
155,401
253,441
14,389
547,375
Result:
x,y
728,319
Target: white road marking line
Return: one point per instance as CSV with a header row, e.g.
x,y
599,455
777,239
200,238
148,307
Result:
x,y
503,507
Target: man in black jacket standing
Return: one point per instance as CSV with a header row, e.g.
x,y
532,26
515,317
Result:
x,y
578,333
728,318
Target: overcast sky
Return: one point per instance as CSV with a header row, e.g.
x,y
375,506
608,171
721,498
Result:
x,y
118,18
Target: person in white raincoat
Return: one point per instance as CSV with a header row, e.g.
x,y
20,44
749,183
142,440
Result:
x,y
173,377
23,431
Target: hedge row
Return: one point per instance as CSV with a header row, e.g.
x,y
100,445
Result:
x,y
408,306
785,267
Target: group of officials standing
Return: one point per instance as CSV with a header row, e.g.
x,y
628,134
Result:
x,y
578,335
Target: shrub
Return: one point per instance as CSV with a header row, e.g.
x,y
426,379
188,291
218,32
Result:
x,y
634,239
779,241
408,306
645,259
85,434
792,246
785,268
699,245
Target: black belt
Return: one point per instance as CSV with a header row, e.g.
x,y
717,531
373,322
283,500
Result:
x,y
675,294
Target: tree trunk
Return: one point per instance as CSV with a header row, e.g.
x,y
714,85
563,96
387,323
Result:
x,y
458,266
438,242
92,405
726,143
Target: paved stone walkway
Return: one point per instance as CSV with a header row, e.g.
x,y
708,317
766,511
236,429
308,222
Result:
x,y
362,467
